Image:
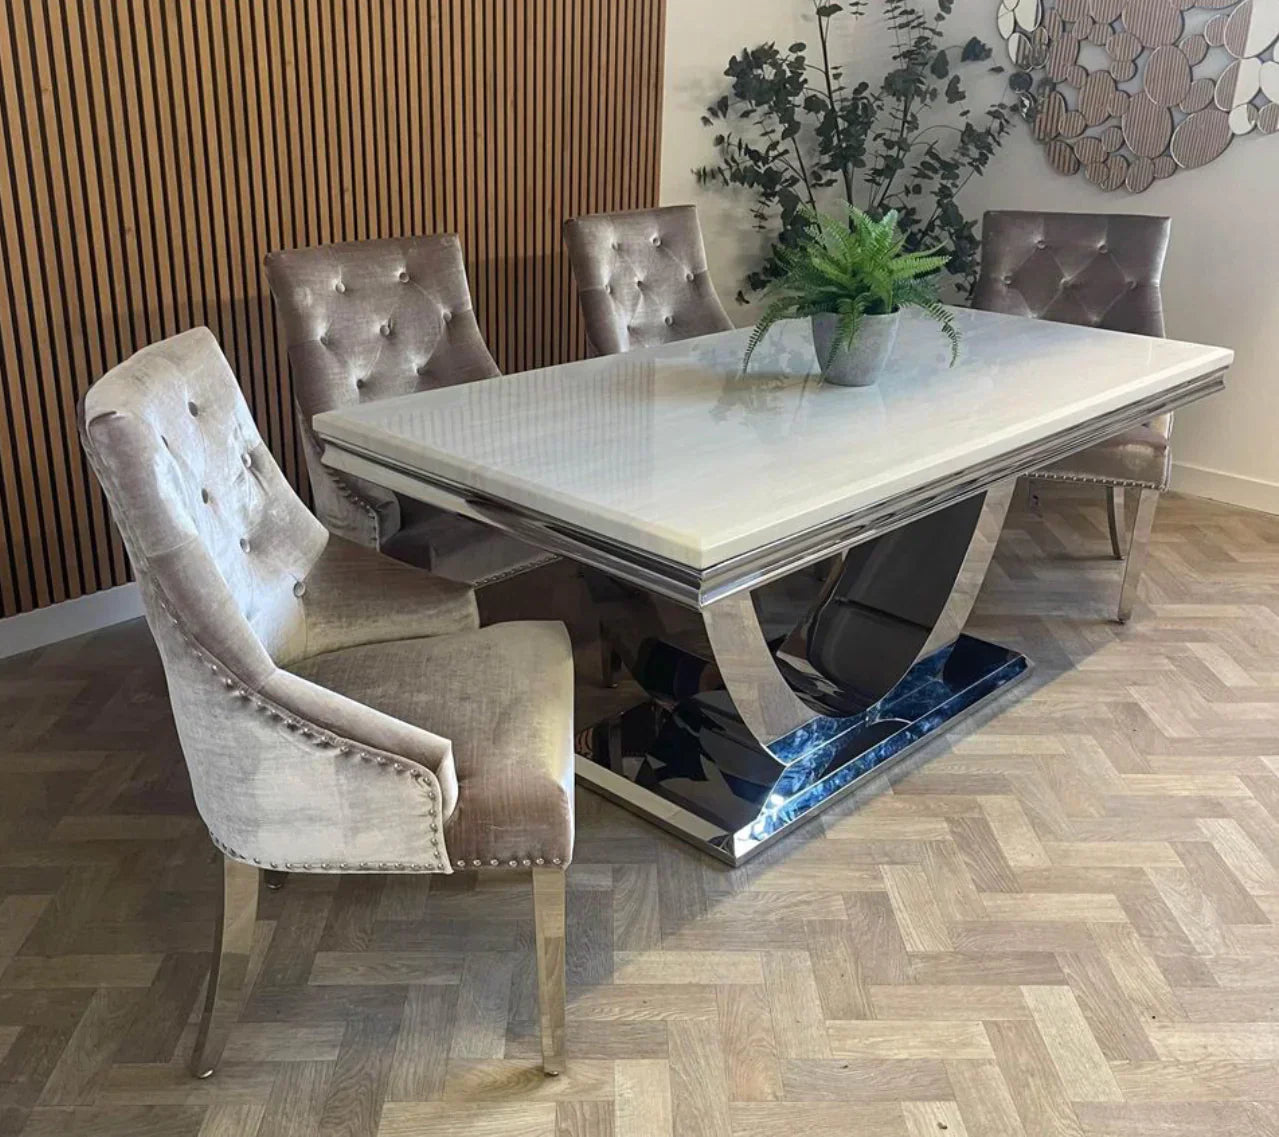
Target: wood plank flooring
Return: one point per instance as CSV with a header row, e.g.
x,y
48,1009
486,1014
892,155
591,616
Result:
x,y
1062,920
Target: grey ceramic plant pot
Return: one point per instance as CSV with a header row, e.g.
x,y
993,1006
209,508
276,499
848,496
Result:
x,y
857,364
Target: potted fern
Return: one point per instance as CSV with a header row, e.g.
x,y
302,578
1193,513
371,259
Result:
x,y
852,279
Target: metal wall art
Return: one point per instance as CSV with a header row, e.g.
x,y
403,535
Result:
x,y
1134,90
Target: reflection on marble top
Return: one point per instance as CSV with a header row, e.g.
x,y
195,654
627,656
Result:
x,y
673,451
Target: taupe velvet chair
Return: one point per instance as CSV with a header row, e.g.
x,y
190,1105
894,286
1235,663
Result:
x,y
642,278
1101,270
369,320
339,711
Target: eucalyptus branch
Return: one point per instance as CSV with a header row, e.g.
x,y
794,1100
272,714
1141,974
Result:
x,y
803,171
934,126
823,26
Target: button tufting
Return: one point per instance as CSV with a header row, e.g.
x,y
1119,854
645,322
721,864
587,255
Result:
x,y
422,368
339,287
1041,244
244,544
247,459
639,284
1132,285
404,276
688,276
657,240
1103,248
324,339
669,321
193,408
385,329
299,589
204,496
448,316
1008,280
608,290
361,384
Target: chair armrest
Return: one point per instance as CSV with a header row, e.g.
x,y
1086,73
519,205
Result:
x,y
363,727
292,776
354,596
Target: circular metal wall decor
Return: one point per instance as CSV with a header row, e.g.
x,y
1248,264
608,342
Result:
x,y
1129,91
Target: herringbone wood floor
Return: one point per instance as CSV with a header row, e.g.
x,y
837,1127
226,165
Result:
x,y
1061,921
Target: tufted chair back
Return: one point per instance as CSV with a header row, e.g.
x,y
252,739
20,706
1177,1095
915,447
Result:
x,y
213,529
368,320
642,278
1098,269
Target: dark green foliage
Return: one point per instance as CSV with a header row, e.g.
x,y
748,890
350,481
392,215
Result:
x,y
791,127
853,267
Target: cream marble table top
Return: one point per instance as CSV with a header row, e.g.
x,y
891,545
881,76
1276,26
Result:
x,y
673,452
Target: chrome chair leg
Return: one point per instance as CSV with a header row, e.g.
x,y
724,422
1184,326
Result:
x,y
548,920
228,975
274,879
1115,515
1138,546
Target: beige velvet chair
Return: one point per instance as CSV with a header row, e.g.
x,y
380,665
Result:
x,y
369,320
339,711
642,278
1101,270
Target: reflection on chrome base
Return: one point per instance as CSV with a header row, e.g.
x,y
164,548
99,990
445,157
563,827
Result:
x,y
697,770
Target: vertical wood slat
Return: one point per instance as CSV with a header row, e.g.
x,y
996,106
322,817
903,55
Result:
x,y
154,153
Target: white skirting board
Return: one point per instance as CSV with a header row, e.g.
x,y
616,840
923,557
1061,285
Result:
x,y
1234,489
30,630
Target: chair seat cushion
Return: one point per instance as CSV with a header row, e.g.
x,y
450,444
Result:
x,y
458,548
504,696
1136,457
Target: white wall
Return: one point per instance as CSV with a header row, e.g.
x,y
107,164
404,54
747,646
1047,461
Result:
x,y
1221,284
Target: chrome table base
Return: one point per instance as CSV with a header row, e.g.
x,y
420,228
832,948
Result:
x,y
811,683
698,772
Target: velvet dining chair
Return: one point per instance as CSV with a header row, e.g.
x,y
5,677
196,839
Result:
x,y
642,278
1103,271
339,711
368,320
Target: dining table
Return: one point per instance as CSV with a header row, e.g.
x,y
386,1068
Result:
x,y
825,544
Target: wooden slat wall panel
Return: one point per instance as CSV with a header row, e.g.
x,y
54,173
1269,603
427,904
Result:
x,y
155,152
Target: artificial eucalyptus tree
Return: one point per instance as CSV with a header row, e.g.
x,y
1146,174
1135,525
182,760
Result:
x,y
793,127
